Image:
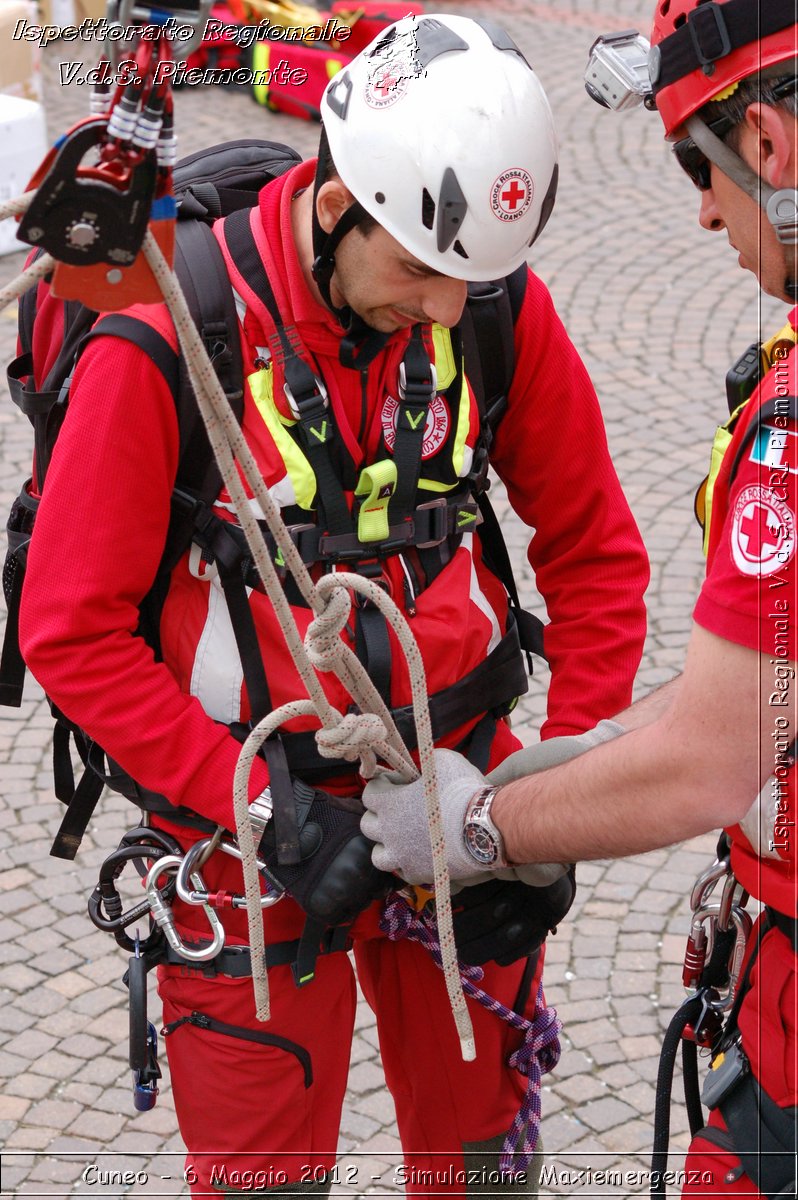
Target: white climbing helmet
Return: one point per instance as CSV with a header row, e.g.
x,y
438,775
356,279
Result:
x,y
442,131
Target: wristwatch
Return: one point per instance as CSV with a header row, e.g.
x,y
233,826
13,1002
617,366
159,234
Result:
x,y
481,838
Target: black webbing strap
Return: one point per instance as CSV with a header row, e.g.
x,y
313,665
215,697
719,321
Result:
x,y
243,625
487,328
493,683
203,1021
77,816
235,962
201,269
373,646
12,664
31,403
19,530
316,940
131,329
712,31
284,810
415,396
530,628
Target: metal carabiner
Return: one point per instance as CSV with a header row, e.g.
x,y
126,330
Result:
x,y
743,925
704,885
199,894
699,947
163,916
733,896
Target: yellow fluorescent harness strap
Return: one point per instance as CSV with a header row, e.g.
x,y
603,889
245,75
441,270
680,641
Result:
x,y
377,484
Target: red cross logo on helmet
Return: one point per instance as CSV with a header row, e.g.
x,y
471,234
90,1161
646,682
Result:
x,y
511,194
388,83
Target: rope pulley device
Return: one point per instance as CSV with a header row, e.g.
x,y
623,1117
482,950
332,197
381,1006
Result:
x,y
107,181
84,215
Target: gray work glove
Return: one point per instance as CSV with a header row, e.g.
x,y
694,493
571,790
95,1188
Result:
x,y
396,814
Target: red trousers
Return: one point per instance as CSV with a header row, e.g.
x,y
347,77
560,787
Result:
x,y
769,1026
251,1118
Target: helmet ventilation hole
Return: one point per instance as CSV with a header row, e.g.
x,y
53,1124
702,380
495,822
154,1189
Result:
x,y
427,210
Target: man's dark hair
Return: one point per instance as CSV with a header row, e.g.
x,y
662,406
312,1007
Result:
x,y
756,89
330,171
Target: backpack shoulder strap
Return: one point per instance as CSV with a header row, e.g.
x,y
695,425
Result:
x,y
488,331
201,270
785,407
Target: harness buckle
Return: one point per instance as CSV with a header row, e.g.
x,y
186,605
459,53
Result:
x,y
310,402
417,389
375,571
438,522
709,35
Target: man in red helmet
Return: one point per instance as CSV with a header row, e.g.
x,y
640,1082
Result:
x,y
723,77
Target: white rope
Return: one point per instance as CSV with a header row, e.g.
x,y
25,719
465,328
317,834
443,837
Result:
x,y
229,445
32,274
350,737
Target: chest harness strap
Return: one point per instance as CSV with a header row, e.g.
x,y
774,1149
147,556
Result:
x,y
316,432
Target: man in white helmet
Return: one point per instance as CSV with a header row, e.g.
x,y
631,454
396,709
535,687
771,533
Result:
x,y
438,168
695,754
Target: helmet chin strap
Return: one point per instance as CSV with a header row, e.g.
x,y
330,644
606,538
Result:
x,y
780,206
361,343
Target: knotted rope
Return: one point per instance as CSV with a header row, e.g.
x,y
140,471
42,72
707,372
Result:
x,y
538,1054
324,649
232,452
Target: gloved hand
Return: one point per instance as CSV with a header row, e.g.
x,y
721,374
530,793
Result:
x,y
396,819
396,816
335,879
504,920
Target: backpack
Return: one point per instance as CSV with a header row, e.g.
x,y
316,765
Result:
x,y
212,183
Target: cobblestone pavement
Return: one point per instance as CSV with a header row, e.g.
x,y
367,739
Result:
x,y
659,309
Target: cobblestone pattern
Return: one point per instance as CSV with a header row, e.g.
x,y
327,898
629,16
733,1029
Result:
x,y
659,310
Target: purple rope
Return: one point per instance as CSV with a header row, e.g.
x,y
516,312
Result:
x,y
538,1053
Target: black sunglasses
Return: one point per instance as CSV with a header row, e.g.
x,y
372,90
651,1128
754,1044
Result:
x,y
695,163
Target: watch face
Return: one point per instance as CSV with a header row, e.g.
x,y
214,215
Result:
x,y
480,843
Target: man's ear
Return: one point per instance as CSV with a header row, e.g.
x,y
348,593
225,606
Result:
x,y
332,200
776,134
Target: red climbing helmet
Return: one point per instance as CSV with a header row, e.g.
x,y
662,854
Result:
x,y
701,48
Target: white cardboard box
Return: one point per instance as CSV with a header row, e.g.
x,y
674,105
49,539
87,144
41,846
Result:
x,y
23,145
20,60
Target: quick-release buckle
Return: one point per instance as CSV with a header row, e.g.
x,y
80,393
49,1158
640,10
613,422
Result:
x,y
704,22
439,522
346,547
417,389
300,405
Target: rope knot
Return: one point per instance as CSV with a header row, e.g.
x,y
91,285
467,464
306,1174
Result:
x,y
541,1046
355,736
323,638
